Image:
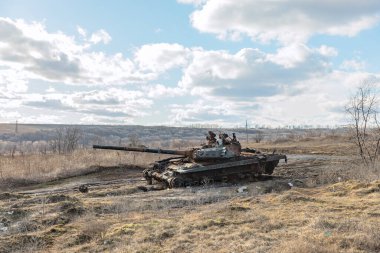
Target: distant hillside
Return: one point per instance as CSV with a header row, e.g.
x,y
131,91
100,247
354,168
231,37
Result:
x,y
32,137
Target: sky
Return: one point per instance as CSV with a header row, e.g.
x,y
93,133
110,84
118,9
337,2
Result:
x,y
185,62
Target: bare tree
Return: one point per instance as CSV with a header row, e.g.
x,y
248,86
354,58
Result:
x,y
365,127
133,140
259,136
333,132
56,144
66,140
72,138
97,140
42,147
12,150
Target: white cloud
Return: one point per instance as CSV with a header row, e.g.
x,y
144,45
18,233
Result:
x,y
290,56
9,116
195,2
353,65
100,36
287,21
12,81
161,57
161,91
50,90
28,52
57,57
82,31
119,105
201,111
320,102
327,51
252,73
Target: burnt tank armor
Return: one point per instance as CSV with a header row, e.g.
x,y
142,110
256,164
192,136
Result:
x,y
218,160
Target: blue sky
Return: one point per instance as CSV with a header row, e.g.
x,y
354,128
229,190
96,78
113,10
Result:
x,y
185,62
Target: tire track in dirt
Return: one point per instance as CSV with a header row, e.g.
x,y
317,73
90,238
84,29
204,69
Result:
x,y
299,167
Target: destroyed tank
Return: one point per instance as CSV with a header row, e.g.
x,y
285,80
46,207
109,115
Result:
x,y
218,160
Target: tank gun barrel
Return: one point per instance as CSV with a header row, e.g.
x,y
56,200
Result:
x,y
147,150
249,150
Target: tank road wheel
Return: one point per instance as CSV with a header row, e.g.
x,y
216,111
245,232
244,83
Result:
x,y
147,177
269,167
205,181
176,182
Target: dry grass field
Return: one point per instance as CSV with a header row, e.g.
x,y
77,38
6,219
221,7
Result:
x,y
324,145
323,200
36,168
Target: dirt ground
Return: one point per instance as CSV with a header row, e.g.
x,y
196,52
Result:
x,y
307,205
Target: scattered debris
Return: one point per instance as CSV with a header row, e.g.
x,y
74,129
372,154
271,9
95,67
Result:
x,y
83,188
151,188
3,228
298,183
142,188
239,208
242,189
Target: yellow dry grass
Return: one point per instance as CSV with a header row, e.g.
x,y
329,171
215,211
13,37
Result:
x,y
42,168
342,217
328,145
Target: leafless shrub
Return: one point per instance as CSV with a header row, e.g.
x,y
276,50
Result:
x,y
259,136
365,126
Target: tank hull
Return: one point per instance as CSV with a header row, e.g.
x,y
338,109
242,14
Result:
x,y
181,172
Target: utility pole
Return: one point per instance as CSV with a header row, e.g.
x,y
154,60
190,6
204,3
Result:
x,y
246,130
